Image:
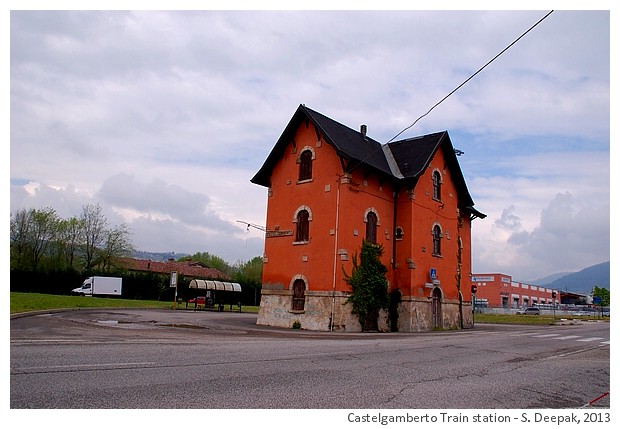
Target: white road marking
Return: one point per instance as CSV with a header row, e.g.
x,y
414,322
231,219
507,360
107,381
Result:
x,y
587,340
568,337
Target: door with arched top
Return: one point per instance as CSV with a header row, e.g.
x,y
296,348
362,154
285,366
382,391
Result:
x,y
436,309
299,295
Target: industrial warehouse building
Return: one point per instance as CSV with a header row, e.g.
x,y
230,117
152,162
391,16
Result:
x,y
500,291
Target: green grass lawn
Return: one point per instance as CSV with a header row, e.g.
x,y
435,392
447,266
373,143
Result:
x,y
527,319
21,302
517,319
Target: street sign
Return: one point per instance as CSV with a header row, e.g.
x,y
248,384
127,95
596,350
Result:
x,y
433,273
173,283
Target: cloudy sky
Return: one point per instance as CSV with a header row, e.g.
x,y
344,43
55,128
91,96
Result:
x,y
164,117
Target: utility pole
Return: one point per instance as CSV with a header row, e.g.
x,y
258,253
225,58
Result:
x,y
474,289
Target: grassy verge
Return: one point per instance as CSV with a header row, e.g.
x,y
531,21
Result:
x,y
21,302
515,319
522,319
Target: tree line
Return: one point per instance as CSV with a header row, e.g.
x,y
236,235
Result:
x,y
50,254
42,240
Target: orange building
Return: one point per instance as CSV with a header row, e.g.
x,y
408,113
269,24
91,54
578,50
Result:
x,y
329,188
500,291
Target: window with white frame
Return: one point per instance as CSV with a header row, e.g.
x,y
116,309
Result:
x,y
437,235
371,227
437,185
305,165
303,226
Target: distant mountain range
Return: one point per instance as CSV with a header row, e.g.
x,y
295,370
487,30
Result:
x,y
580,282
549,279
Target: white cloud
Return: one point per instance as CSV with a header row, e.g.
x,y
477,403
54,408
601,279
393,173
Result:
x,y
157,197
565,237
164,116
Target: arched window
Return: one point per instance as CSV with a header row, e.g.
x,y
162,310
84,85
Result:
x,y
303,226
305,165
299,295
371,227
436,185
437,240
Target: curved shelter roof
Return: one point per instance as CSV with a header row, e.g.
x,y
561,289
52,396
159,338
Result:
x,y
214,285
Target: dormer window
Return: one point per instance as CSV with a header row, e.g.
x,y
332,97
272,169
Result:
x,y
305,165
436,185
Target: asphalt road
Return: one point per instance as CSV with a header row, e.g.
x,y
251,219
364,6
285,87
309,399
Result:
x,y
148,359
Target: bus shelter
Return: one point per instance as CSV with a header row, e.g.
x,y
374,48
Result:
x,y
212,291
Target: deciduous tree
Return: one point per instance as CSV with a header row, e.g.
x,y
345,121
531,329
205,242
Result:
x,y
603,294
32,232
94,224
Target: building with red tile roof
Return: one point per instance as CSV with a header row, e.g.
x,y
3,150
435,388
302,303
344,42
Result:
x,y
191,269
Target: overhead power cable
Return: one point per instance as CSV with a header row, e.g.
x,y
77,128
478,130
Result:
x,y
472,76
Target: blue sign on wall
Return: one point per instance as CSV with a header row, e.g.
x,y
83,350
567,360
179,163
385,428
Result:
x,y
433,273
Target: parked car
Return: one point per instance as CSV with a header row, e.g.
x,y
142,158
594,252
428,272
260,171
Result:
x,y
529,310
199,300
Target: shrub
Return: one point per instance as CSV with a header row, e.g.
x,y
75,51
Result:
x,y
369,286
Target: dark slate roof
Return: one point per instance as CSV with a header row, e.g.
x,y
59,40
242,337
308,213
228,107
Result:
x,y
403,160
413,155
348,143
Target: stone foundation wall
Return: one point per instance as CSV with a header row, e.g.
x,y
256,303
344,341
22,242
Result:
x,y
276,310
415,314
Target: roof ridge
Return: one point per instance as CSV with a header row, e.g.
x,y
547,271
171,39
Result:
x,y
389,157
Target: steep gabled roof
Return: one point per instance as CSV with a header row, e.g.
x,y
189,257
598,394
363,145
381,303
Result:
x,y
404,160
413,155
348,143
353,145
